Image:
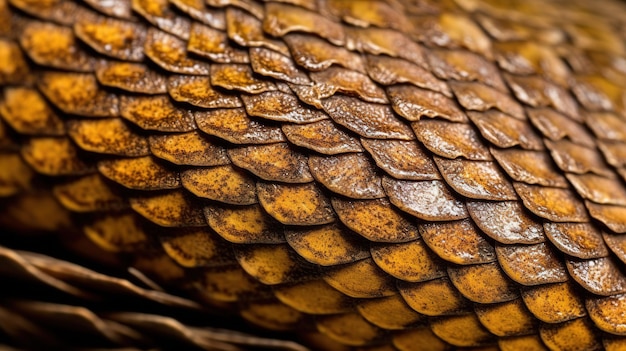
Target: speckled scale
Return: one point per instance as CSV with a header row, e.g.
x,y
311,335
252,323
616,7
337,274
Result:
x,y
531,167
120,140
170,53
281,19
273,162
390,71
14,67
156,113
556,126
323,136
246,29
451,140
235,126
282,107
123,40
412,261
531,264
377,41
197,151
316,54
578,159
161,14
26,111
142,173
471,248
537,92
197,91
402,159
328,245
276,65
414,103
505,131
335,79
351,175
132,77
54,46
476,180
369,120
464,66
88,194
78,93
478,97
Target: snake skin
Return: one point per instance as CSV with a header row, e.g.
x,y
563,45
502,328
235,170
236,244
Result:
x,y
375,175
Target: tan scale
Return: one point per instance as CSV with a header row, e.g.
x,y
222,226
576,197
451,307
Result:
x,y
414,103
54,156
78,93
483,283
336,79
358,181
556,126
506,319
15,175
315,297
246,29
26,111
14,68
132,77
277,162
244,224
281,107
54,46
235,126
141,173
156,113
295,204
115,38
390,71
505,131
223,183
531,167
418,263
476,97
169,52
117,231
361,279
401,159
170,209
197,247
435,297
213,44
327,245
89,193
444,240
107,136
391,313
348,329
323,136
451,140
198,150
276,65
198,92
386,42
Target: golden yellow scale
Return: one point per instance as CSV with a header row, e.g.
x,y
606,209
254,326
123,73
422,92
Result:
x,y
369,175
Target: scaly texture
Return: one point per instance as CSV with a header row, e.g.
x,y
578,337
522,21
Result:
x,y
401,175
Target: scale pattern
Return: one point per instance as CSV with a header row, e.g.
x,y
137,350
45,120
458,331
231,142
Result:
x,y
383,175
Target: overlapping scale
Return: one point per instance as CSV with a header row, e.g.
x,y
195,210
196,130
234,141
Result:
x,y
378,175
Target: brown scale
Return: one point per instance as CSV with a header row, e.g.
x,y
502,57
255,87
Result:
x,y
368,175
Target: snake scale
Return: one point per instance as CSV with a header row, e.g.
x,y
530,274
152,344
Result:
x,y
370,175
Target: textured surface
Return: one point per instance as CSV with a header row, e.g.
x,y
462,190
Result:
x,y
402,175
